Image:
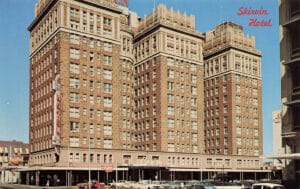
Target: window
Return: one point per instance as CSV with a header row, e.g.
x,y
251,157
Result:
x,y
91,57
74,97
107,102
224,88
238,109
225,119
106,21
225,98
193,102
193,113
194,90
107,130
74,39
74,142
170,86
74,12
238,119
74,24
170,110
225,109
193,78
170,135
92,42
238,88
254,92
74,112
255,102
107,31
238,141
170,147
91,113
107,143
239,151
170,98
238,99
225,130
225,141
170,62
170,123
107,116
194,137
107,46
91,85
107,88
255,132
74,53
74,126
107,60
216,91
74,68
194,125
107,74
170,73
91,71
195,149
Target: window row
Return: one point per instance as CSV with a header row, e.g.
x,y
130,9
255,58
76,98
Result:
x,y
75,112
182,148
75,83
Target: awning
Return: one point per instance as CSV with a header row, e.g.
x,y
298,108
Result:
x,y
220,170
68,168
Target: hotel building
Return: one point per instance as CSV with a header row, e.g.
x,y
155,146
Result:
x,y
289,20
81,78
110,92
13,155
168,83
232,90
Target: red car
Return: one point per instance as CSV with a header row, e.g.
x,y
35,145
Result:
x,y
94,184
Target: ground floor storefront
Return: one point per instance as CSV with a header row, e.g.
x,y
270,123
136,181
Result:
x,y
67,176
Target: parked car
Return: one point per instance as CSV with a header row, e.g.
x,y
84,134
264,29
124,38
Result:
x,y
246,184
193,184
94,184
267,186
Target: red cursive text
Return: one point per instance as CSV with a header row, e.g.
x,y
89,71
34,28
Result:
x,y
256,22
250,11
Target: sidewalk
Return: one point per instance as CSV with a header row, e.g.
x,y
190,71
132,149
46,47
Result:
x,y
20,186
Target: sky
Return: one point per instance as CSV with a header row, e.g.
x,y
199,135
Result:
x,y
16,15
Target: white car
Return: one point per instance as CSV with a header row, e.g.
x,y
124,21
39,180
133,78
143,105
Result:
x,y
267,186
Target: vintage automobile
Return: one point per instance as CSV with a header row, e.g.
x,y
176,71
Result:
x,y
93,185
267,186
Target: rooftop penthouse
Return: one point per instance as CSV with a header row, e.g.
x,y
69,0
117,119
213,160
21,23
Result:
x,y
228,34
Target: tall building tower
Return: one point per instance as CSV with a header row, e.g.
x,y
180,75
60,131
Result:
x,y
168,83
289,12
277,142
110,91
80,79
232,95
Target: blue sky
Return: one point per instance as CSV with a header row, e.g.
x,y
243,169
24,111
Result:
x,y
16,15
